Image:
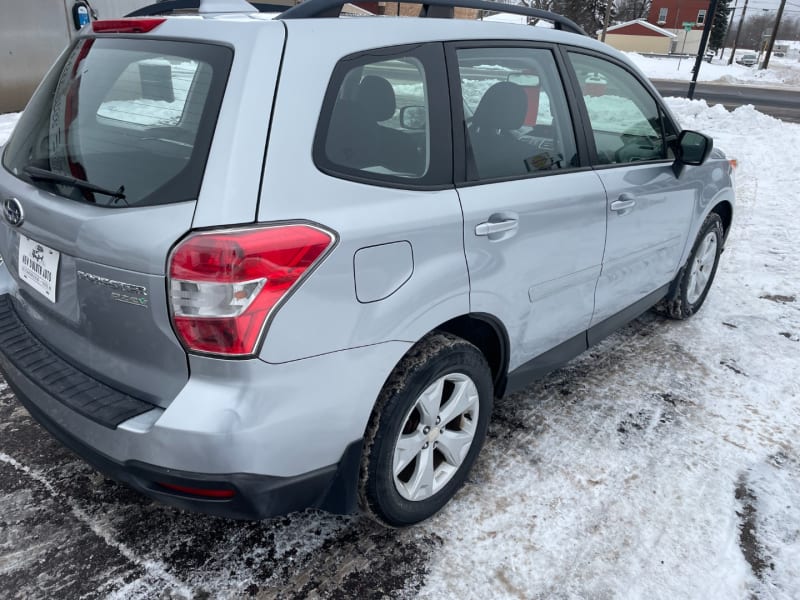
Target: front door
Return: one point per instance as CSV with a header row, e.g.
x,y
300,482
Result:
x,y
534,213
649,208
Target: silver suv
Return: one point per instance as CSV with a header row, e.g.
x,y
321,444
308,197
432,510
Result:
x,y
255,264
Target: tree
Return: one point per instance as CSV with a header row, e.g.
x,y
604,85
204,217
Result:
x,y
629,10
719,27
589,14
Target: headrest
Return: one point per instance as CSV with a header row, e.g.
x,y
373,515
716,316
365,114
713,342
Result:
x,y
503,106
376,97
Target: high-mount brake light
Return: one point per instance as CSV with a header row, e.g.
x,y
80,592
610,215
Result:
x,y
126,25
224,285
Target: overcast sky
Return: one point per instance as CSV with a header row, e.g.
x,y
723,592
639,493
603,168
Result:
x,y
792,6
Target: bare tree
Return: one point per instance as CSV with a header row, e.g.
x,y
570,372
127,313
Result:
x,y
628,10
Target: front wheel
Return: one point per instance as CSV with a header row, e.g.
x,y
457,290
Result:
x,y
691,286
427,428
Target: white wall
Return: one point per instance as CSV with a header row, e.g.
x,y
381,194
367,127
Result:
x,y
32,35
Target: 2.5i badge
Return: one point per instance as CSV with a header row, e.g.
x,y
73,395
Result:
x,y
38,266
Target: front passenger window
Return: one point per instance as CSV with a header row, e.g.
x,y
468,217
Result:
x,y
627,124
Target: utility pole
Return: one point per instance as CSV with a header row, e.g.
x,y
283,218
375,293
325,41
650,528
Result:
x,y
738,32
712,8
774,35
728,32
606,20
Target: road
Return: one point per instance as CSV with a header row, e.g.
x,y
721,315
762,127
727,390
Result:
x,y
779,103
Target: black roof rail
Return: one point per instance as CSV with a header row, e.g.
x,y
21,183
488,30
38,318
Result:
x,y
310,9
165,7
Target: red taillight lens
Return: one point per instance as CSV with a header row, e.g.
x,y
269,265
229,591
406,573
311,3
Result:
x,y
126,25
224,284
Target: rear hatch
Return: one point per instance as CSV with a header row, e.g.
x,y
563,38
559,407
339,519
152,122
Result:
x,y
105,167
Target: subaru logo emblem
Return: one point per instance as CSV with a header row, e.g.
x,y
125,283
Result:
x,y
13,213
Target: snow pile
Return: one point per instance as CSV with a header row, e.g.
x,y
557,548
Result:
x,y
781,72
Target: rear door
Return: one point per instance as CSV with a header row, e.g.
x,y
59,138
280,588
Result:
x,y
134,118
649,208
534,213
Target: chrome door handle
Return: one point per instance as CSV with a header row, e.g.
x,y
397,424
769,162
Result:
x,y
491,227
623,204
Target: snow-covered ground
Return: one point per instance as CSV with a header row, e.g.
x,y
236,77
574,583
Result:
x,y
664,463
782,71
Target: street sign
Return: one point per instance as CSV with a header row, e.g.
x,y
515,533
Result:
x,y
688,25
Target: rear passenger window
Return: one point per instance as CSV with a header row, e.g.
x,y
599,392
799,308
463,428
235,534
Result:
x,y
516,113
626,122
379,120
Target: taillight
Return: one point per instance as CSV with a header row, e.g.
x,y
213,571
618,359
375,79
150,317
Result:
x,y
225,284
126,25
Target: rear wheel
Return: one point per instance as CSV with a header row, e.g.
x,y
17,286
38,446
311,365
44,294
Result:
x,y
691,286
426,430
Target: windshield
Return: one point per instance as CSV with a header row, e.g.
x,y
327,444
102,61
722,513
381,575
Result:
x,y
128,115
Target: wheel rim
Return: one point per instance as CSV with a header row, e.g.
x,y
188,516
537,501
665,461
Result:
x,y
436,436
702,266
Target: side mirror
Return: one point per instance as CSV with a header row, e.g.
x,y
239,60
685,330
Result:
x,y
691,148
414,117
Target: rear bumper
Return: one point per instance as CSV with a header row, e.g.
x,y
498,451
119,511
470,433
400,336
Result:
x,y
275,438
252,497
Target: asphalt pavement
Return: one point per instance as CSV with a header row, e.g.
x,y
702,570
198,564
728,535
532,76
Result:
x,y
780,103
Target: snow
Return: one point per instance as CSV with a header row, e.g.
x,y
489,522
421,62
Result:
x,y
630,473
781,72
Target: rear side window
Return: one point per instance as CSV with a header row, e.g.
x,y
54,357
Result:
x,y
377,122
134,116
515,111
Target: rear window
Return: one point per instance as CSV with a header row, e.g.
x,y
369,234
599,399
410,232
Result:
x,y
133,117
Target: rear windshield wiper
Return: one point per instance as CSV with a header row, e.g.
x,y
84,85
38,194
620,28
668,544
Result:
x,y
45,175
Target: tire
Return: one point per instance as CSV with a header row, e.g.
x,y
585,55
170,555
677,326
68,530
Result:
x,y
440,368
690,288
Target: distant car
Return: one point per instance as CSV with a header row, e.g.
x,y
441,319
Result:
x,y
709,56
748,60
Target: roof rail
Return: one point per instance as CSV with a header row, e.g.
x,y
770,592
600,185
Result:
x,y
310,9
206,7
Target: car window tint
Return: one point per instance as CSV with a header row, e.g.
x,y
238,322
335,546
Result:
x,y
151,93
135,115
379,121
516,113
626,121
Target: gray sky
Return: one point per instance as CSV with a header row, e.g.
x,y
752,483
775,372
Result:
x,y
792,6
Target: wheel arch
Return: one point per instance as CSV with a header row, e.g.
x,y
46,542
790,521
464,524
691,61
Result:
x,y
488,334
725,211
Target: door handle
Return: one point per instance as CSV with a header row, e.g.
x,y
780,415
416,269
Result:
x,y
624,203
492,227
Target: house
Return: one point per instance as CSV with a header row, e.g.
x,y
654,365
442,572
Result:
x,y
672,15
639,36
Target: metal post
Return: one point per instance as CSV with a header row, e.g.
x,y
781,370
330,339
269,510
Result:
x,y
712,7
774,35
738,32
728,32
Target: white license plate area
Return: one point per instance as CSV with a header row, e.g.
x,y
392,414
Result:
x,y
38,266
